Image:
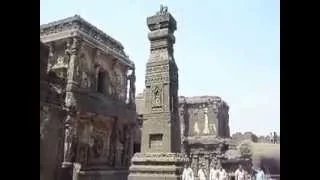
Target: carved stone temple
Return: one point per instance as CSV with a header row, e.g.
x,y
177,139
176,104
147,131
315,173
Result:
x,y
88,124
160,156
205,132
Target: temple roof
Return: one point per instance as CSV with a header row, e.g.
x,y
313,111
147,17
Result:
x,y
70,26
202,99
77,18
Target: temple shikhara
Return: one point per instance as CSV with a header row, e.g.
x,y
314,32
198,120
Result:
x,y
94,127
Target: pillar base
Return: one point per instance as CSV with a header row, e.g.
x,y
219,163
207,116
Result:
x,y
66,171
157,166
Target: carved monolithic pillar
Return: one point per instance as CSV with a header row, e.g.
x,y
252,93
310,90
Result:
x,y
70,140
51,55
160,156
132,90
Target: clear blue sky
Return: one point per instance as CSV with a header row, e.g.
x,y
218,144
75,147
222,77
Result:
x,y
228,48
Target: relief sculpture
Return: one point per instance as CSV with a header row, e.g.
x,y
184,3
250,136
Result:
x,y
70,142
156,96
206,122
97,146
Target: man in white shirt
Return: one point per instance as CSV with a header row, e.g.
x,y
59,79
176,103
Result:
x,y
260,174
213,174
187,173
222,174
201,174
240,173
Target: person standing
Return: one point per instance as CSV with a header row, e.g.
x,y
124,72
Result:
x,y
240,173
222,174
187,173
213,174
260,174
201,174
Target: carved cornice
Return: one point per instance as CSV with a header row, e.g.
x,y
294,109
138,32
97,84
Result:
x,y
159,157
212,100
162,20
77,26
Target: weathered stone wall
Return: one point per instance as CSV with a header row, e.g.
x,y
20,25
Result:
x,y
204,124
193,112
51,126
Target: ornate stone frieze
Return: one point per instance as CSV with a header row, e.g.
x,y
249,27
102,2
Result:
x,y
77,24
159,157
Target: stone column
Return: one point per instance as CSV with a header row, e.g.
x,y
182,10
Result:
x,y
51,55
160,156
132,90
70,142
70,146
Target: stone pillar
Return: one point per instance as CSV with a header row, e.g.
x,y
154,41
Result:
x,y
70,146
51,56
132,90
70,142
160,156
73,69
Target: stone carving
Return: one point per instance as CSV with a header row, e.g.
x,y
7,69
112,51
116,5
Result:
x,y
85,82
83,154
158,69
156,96
196,128
159,159
70,142
44,121
206,122
97,146
117,84
132,90
70,100
163,10
157,79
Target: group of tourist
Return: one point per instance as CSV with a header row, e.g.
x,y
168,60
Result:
x,y
218,173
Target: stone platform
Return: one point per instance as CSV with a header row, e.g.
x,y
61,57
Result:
x,y
157,166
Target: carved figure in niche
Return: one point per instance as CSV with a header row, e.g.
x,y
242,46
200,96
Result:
x,y
83,154
119,147
85,82
196,128
206,122
113,83
156,96
70,142
113,143
132,91
97,146
44,121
